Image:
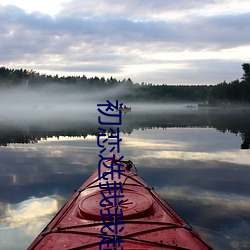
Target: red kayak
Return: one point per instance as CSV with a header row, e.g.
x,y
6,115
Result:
x,y
116,209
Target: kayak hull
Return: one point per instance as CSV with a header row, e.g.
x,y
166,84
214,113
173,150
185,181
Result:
x,y
145,220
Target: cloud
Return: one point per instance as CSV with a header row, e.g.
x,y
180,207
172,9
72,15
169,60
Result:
x,y
29,210
225,31
91,37
229,204
26,220
141,10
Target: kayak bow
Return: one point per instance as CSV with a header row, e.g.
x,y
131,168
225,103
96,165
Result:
x,y
147,222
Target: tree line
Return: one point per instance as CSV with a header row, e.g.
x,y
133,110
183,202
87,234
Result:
x,y
236,91
235,122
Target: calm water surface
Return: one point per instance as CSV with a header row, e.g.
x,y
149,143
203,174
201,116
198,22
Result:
x,y
192,158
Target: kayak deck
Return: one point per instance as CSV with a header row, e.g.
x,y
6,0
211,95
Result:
x,y
146,221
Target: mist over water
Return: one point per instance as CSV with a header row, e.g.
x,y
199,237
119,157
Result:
x,y
61,107
65,103
44,103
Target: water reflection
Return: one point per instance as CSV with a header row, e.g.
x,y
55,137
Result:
x,y
195,166
31,210
26,131
19,222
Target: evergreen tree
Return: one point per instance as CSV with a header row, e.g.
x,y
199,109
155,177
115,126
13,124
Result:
x,y
246,69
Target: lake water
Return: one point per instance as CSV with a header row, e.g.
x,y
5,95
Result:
x,y
197,160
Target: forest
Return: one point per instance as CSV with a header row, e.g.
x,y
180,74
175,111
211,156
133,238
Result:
x,y
224,93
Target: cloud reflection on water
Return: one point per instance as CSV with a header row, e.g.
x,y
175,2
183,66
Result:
x,y
207,184
226,216
21,222
29,210
184,139
234,156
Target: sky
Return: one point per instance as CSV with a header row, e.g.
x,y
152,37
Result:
x,y
159,41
